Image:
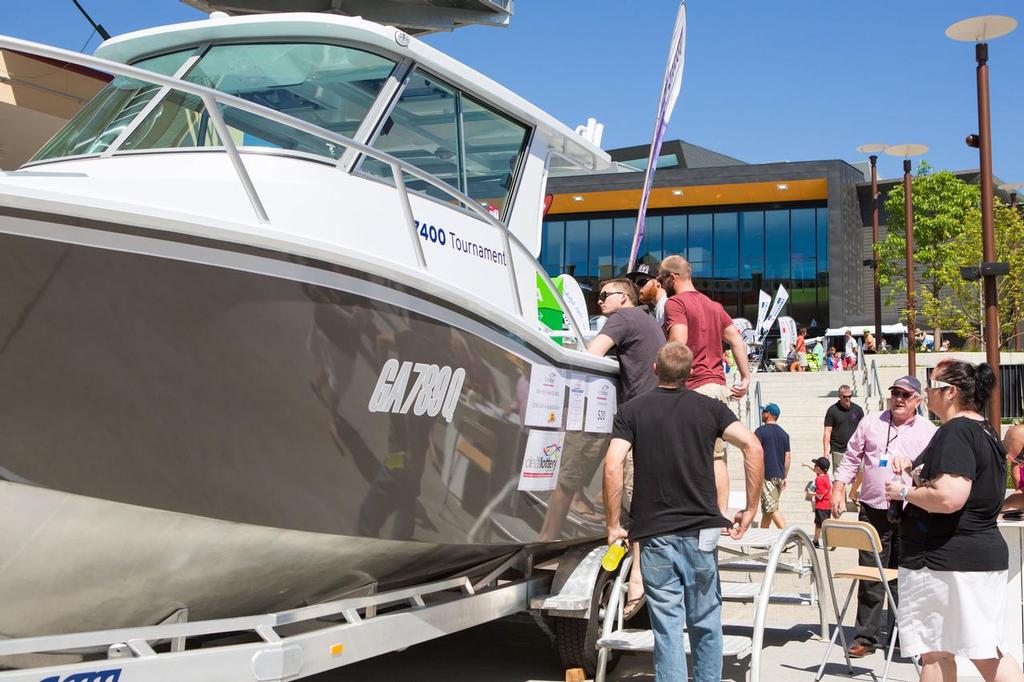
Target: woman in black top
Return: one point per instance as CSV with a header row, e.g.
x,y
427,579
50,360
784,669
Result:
x,y
953,560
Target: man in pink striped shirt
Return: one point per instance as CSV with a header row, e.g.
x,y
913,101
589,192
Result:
x,y
879,438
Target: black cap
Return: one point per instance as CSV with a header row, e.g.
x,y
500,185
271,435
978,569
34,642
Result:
x,y
641,275
822,463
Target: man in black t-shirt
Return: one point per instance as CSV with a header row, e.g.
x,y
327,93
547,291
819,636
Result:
x,y
675,513
841,421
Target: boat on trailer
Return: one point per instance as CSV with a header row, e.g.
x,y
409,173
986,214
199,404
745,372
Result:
x,y
268,329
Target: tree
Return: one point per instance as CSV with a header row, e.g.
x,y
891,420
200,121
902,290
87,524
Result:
x,y
960,305
943,207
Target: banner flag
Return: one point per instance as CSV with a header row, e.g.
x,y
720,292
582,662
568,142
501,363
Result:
x,y
781,296
669,92
764,302
787,330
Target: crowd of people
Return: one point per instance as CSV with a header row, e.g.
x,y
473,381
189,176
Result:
x,y
665,480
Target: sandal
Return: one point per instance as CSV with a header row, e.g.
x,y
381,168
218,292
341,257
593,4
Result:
x,y
632,606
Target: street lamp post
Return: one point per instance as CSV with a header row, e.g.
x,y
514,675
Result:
x,y
979,30
872,150
907,151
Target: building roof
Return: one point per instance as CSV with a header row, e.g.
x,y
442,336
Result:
x,y
415,17
687,155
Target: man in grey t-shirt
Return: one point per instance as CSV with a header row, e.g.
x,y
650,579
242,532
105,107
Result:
x,y
633,333
637,338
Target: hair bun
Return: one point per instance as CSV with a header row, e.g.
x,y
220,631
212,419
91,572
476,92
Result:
x,y
984,382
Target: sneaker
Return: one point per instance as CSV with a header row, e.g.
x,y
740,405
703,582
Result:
x,y
817,545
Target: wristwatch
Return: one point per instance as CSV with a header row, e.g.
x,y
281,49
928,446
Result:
x,y
904,491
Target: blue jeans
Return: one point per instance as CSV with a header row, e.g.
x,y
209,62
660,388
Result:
x,y
681,584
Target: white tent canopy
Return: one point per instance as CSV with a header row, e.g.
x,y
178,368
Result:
x,y
898,328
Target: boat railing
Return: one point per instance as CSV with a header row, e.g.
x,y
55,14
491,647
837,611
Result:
x,y
211,98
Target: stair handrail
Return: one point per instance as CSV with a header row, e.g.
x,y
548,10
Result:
x,y
614,609
764,596
748,406
876,386
758,402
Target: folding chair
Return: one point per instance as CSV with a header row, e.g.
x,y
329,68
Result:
x,y
862,536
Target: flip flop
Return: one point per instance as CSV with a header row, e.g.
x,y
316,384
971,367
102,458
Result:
x,y
632,606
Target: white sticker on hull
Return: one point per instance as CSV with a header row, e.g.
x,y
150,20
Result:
x,y
547,394
542,460
434,391
600,405
577,399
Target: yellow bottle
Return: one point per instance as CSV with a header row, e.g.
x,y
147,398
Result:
x,y
614,555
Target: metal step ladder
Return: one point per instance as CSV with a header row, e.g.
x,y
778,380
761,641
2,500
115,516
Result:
x,y
286,645
615,637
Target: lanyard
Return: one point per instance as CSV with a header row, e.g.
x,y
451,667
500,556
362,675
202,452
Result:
x,y
889,438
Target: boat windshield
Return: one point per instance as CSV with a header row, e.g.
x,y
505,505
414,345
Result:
x,y
433,126
444,132
327,85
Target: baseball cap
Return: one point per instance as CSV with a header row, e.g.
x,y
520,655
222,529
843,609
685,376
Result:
x,y
641,275
772,409
821,462
907,383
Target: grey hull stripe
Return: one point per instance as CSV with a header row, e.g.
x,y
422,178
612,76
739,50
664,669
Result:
x,y
221,258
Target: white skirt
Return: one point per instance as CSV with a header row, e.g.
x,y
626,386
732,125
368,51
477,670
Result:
x,y
956,611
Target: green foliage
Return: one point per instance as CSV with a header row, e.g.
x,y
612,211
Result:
x,y
942,204
959,305
947,236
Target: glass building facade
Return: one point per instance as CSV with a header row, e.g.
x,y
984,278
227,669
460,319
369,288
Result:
x,y
734,253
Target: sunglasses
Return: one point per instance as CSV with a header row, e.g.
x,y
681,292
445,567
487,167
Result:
x,y
603,296
935,383
641,282
845,397
896,393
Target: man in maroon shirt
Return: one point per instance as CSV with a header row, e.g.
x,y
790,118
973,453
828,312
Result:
x,y
702,324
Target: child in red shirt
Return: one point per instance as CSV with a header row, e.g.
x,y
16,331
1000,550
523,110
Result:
x,y
822,495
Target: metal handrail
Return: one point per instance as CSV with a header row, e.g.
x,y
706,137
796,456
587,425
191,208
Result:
x,y
758,402
764,596
614,609
211,97
876,385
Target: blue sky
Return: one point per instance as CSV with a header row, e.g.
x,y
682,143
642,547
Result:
x,y
764,81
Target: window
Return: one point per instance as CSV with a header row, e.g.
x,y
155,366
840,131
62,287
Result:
x,y
803,244
822,218
674,239
698,247
494,144
577,241
751,243
103,118
326,85
423,130
625,229
776,244
600,249
726,262
432,124
553,240
650,251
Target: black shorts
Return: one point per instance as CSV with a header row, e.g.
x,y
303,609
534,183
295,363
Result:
x,y
820,515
